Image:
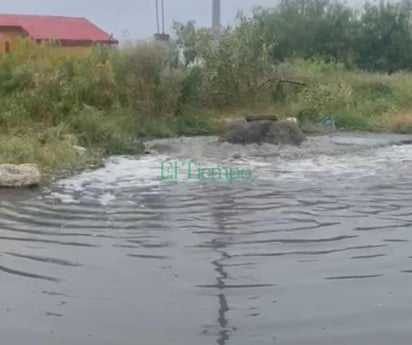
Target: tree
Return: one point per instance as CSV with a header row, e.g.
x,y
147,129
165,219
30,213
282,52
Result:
x,y
384,41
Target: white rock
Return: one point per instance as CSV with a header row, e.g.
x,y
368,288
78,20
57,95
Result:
x,y
19,176
80,150
292,119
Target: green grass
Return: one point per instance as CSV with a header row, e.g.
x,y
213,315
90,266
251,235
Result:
x,y
51,156
109,99
355,99
351,121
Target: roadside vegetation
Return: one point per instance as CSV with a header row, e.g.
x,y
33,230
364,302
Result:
x,y
312,59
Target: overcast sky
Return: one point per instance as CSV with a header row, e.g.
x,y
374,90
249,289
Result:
x,y
136,17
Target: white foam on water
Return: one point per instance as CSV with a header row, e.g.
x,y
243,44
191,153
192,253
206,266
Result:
x,y
126,173
119,173
64,198
106,199
383,161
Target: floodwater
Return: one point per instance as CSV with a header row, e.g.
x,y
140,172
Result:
x,y
315,250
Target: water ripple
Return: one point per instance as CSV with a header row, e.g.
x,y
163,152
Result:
x,y
208,263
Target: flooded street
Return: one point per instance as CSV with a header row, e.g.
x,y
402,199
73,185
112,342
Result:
x,y
315,250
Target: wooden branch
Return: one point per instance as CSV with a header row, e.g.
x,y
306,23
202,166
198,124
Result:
x,y
261,118
221,93
279,81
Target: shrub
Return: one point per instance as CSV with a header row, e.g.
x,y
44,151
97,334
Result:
x,y
351,121
194,123
108,98
320,100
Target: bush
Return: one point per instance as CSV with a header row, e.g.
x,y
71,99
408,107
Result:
x,y
320,100
108,98
192,123
55,154
117,144
397,122
351,121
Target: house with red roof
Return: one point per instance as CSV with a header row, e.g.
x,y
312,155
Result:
x,y
65,31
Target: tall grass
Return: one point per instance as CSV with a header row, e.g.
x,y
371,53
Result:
x,y
105,100
109,98
356,99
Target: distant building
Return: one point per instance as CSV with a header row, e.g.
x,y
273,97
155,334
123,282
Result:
x,y
66,32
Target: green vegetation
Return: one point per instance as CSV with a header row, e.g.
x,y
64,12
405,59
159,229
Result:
x,y
376,37
103,101
306,58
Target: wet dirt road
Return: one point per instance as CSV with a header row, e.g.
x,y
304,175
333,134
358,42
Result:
x,y
316,250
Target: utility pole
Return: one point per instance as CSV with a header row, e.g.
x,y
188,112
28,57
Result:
x,y
157,17
161,36
216,24
163,17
